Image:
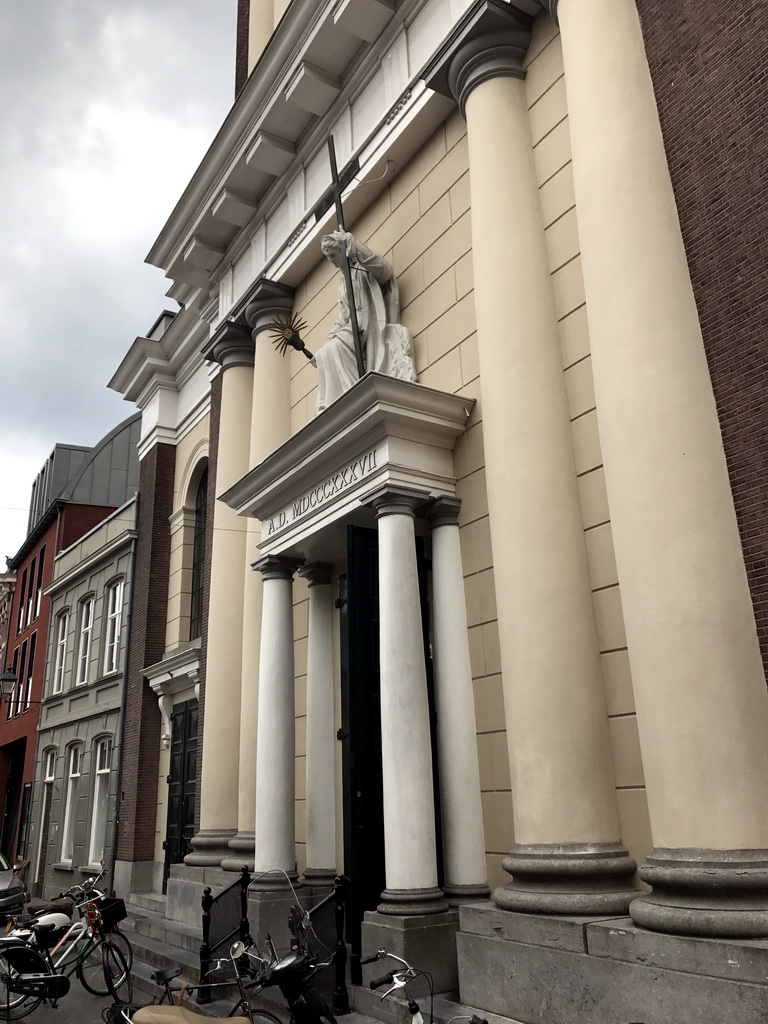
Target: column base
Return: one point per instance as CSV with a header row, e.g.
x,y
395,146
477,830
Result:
x,y
244,846
275,881
319,878
455,895
209,846
410,902
710,893
574,878
426,941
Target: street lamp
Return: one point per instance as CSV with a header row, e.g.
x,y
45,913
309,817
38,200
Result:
x,y
8,681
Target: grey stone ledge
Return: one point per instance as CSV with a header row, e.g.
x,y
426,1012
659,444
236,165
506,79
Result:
x,y
733,959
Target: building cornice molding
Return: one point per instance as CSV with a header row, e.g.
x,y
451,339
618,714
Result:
x,y
88,564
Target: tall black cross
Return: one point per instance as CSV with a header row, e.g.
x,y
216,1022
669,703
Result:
x,y
336,190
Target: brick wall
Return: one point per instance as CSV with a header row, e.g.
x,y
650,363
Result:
x,y
709,69
212,459
77,520
241,45
141,738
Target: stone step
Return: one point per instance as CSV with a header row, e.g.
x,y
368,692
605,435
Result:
x,y
157,953
155,925
148,901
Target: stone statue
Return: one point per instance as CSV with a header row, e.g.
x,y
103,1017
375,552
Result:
x,y
386,344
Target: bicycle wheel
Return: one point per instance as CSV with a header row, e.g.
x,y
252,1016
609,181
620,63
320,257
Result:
x,y
16,960
116,973
261,1017
310,1008
90,972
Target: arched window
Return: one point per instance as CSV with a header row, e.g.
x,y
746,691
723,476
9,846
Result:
x,y
113,617
102,766
62,624
74,767
84,641
198,559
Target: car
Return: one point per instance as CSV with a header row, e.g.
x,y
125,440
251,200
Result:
x,y
11,890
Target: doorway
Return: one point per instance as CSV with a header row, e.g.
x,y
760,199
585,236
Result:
x,y
363,798
182,786
14,754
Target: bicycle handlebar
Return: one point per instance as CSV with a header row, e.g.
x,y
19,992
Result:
x,y
385,979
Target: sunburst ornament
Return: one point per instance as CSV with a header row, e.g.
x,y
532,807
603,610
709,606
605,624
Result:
x,y
286,333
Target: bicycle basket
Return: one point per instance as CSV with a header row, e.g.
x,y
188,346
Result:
x,y
111,911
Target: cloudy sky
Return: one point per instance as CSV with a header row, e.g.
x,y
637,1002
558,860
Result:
x,y
106,108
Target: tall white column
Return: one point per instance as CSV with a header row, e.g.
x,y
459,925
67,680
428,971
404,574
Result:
x,y
700,694
406,749
461,809
567,857
270,427
321,736
275,830
233,347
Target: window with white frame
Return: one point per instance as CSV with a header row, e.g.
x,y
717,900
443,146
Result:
x,y
84,643
30,672
114,598
62,621
74,765
39,590
49,774
103,763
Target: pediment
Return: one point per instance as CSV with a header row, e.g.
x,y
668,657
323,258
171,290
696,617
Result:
x,y
382,431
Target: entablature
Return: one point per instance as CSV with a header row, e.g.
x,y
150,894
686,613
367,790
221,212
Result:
x,y
252,202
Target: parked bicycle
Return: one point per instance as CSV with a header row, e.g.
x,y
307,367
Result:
x,y
75,946
175,1010
51,946
398,980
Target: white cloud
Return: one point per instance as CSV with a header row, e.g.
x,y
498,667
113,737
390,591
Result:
x,y
108,108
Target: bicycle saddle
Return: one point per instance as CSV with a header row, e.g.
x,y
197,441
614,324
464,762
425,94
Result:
x,y
173,1015
42,929
54,907
160,977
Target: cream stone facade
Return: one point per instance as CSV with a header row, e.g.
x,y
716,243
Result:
x,y
549,506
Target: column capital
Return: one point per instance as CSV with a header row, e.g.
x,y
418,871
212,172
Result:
x,y
317,574
490,41
276,567
265,300
230,344
443,511
396,500
550,6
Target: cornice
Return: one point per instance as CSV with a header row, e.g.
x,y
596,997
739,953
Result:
x,y
373,404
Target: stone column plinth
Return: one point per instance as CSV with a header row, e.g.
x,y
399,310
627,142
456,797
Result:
x,y
321,737
406,749
231,346
699,688
275,830
568,857
461,809
270,427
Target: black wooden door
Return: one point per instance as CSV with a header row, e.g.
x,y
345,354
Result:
x,y
361,732
361,728
181,785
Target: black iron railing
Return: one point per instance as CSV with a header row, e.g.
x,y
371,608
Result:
x,y
225,918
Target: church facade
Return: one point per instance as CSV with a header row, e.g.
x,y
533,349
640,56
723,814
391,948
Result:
x,y
488,641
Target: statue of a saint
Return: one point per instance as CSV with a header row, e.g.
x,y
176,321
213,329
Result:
x,y
386,344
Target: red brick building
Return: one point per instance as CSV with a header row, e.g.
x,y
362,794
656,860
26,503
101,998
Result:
x,y
76,488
